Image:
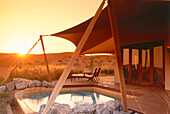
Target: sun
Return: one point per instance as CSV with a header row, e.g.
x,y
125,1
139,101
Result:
x,y
21,54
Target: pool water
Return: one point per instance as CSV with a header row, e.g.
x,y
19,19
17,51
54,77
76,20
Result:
x,y
72,98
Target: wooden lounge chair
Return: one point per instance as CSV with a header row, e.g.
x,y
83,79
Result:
x,y
84,75
93,77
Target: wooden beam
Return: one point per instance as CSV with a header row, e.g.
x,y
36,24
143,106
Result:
x,y
115,35
45,57
67,70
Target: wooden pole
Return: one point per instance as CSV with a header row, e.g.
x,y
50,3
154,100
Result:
x,y
151,64
140,66
45,57
33,47
167,67
130,65
113,23
67,70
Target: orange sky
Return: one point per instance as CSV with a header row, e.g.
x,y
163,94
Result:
x,y
22,21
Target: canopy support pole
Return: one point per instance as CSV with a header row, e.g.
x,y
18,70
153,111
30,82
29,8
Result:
x,y
67,70
45,57
115,35
167,66
33,47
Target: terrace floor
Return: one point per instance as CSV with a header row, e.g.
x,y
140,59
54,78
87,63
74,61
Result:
x,y
149,100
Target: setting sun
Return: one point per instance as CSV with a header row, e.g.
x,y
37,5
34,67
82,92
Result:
x,y
22,54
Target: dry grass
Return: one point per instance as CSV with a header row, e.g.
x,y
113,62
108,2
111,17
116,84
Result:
x,y
38,72
1,79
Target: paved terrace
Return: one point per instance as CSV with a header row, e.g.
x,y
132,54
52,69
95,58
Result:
x,y
149,100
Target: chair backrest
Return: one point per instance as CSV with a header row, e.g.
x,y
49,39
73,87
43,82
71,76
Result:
x,y
97,73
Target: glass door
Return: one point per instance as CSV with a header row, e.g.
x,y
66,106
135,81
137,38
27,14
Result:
x,y
158,66
135,66
126,64
146,67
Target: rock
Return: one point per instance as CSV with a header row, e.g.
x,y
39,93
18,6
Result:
x,y
10,86
20,80
62,108
84,109
41,108
120,107
111,106
114,106
54,83
105,108
21,85
136,113
2,88
37,83
57,109
129,112
101,109
46,84
52,111
31,84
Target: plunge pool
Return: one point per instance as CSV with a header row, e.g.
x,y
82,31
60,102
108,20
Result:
x,y
72,98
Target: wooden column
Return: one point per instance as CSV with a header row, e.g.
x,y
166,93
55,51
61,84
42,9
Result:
x,y
116,72
122,54
140,66
45,57
130,65
151,65
115,35
67,70
167,67
163,73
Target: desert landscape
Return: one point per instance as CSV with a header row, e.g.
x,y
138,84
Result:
x,y
83,62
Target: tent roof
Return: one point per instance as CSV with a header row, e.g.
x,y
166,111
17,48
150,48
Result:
x,y
138,22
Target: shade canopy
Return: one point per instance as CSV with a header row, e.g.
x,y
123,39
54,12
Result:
x,y
138,21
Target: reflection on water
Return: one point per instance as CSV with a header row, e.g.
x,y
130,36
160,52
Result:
x,y
71,98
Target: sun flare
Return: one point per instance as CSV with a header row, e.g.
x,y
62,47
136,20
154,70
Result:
x,y
22,54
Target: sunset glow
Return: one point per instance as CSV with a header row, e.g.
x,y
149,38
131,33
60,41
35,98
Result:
x,y
23,21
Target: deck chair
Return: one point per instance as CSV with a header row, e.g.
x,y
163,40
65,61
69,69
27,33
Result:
x,y
97,74
83,75
93,77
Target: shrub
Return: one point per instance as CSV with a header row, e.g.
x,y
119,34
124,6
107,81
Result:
x,y
91,64
60,61
111,72
107,71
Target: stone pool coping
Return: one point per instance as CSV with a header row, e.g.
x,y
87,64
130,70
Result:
x,y
23,108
